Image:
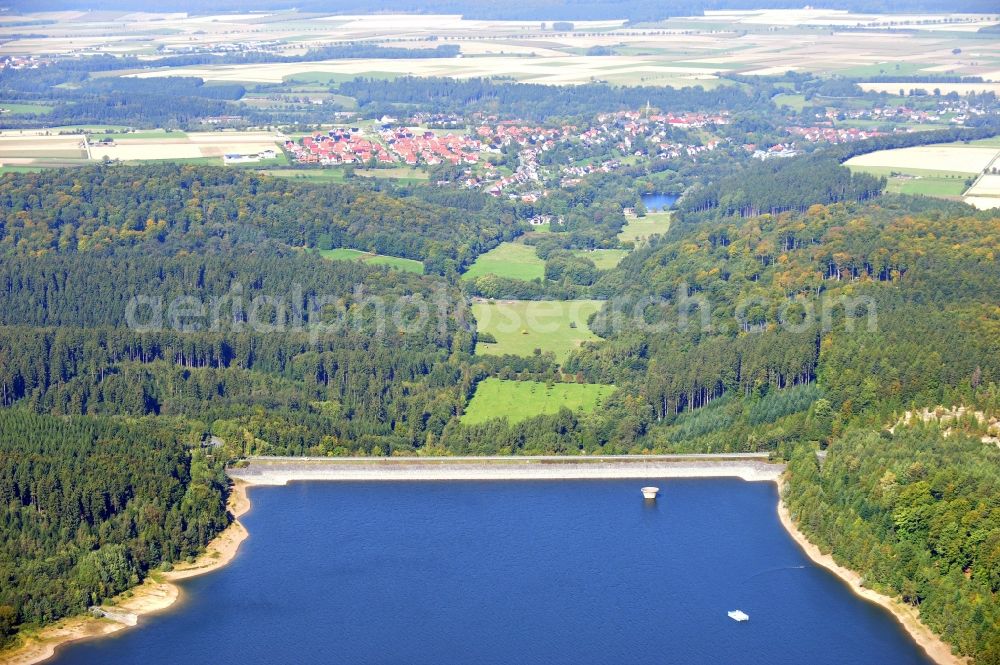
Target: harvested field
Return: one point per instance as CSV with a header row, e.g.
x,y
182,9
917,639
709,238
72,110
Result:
x,y
957,158
69,146
30,146
190,146
986,186
983,202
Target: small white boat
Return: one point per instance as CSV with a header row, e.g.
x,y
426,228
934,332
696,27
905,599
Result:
x,y
650,492
739,615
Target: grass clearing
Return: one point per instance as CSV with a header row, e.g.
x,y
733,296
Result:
x,y
521,326
509,259
604,259
315,175
395,262
11,108
20,169
520,400
993,141
338,174
639,229
795,102
403,173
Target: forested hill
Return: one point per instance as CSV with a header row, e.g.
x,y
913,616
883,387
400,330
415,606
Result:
x,y
772,292
540,102
915,513
91,505
777,185
165,208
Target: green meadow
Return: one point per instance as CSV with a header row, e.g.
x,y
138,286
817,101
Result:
x,y
520,400
20,169
638,229
509,259
316,175
521,326
24,109
338,174
604,259
396,262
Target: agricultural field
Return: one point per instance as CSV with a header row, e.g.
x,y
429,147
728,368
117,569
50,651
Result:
x,y
561,70
395,262
26,149
988,185
985,193
678,52
950,157
945,184
68,146
639,229
168,146
521,326
147,134
509,259
520,400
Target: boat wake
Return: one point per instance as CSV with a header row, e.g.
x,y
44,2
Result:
x,y
773,570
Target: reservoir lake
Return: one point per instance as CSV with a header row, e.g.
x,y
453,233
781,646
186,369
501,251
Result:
x,y
657,202
512,572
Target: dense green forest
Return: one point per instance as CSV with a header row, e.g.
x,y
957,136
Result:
x,y
91,505
165,208
916,514
539,102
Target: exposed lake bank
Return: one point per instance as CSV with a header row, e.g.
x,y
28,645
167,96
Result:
x,y
156,593
938,650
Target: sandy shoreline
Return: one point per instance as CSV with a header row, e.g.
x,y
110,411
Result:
x,y
938,650
153,595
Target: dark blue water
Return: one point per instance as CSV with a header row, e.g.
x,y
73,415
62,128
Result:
x,y
655,202
532,572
